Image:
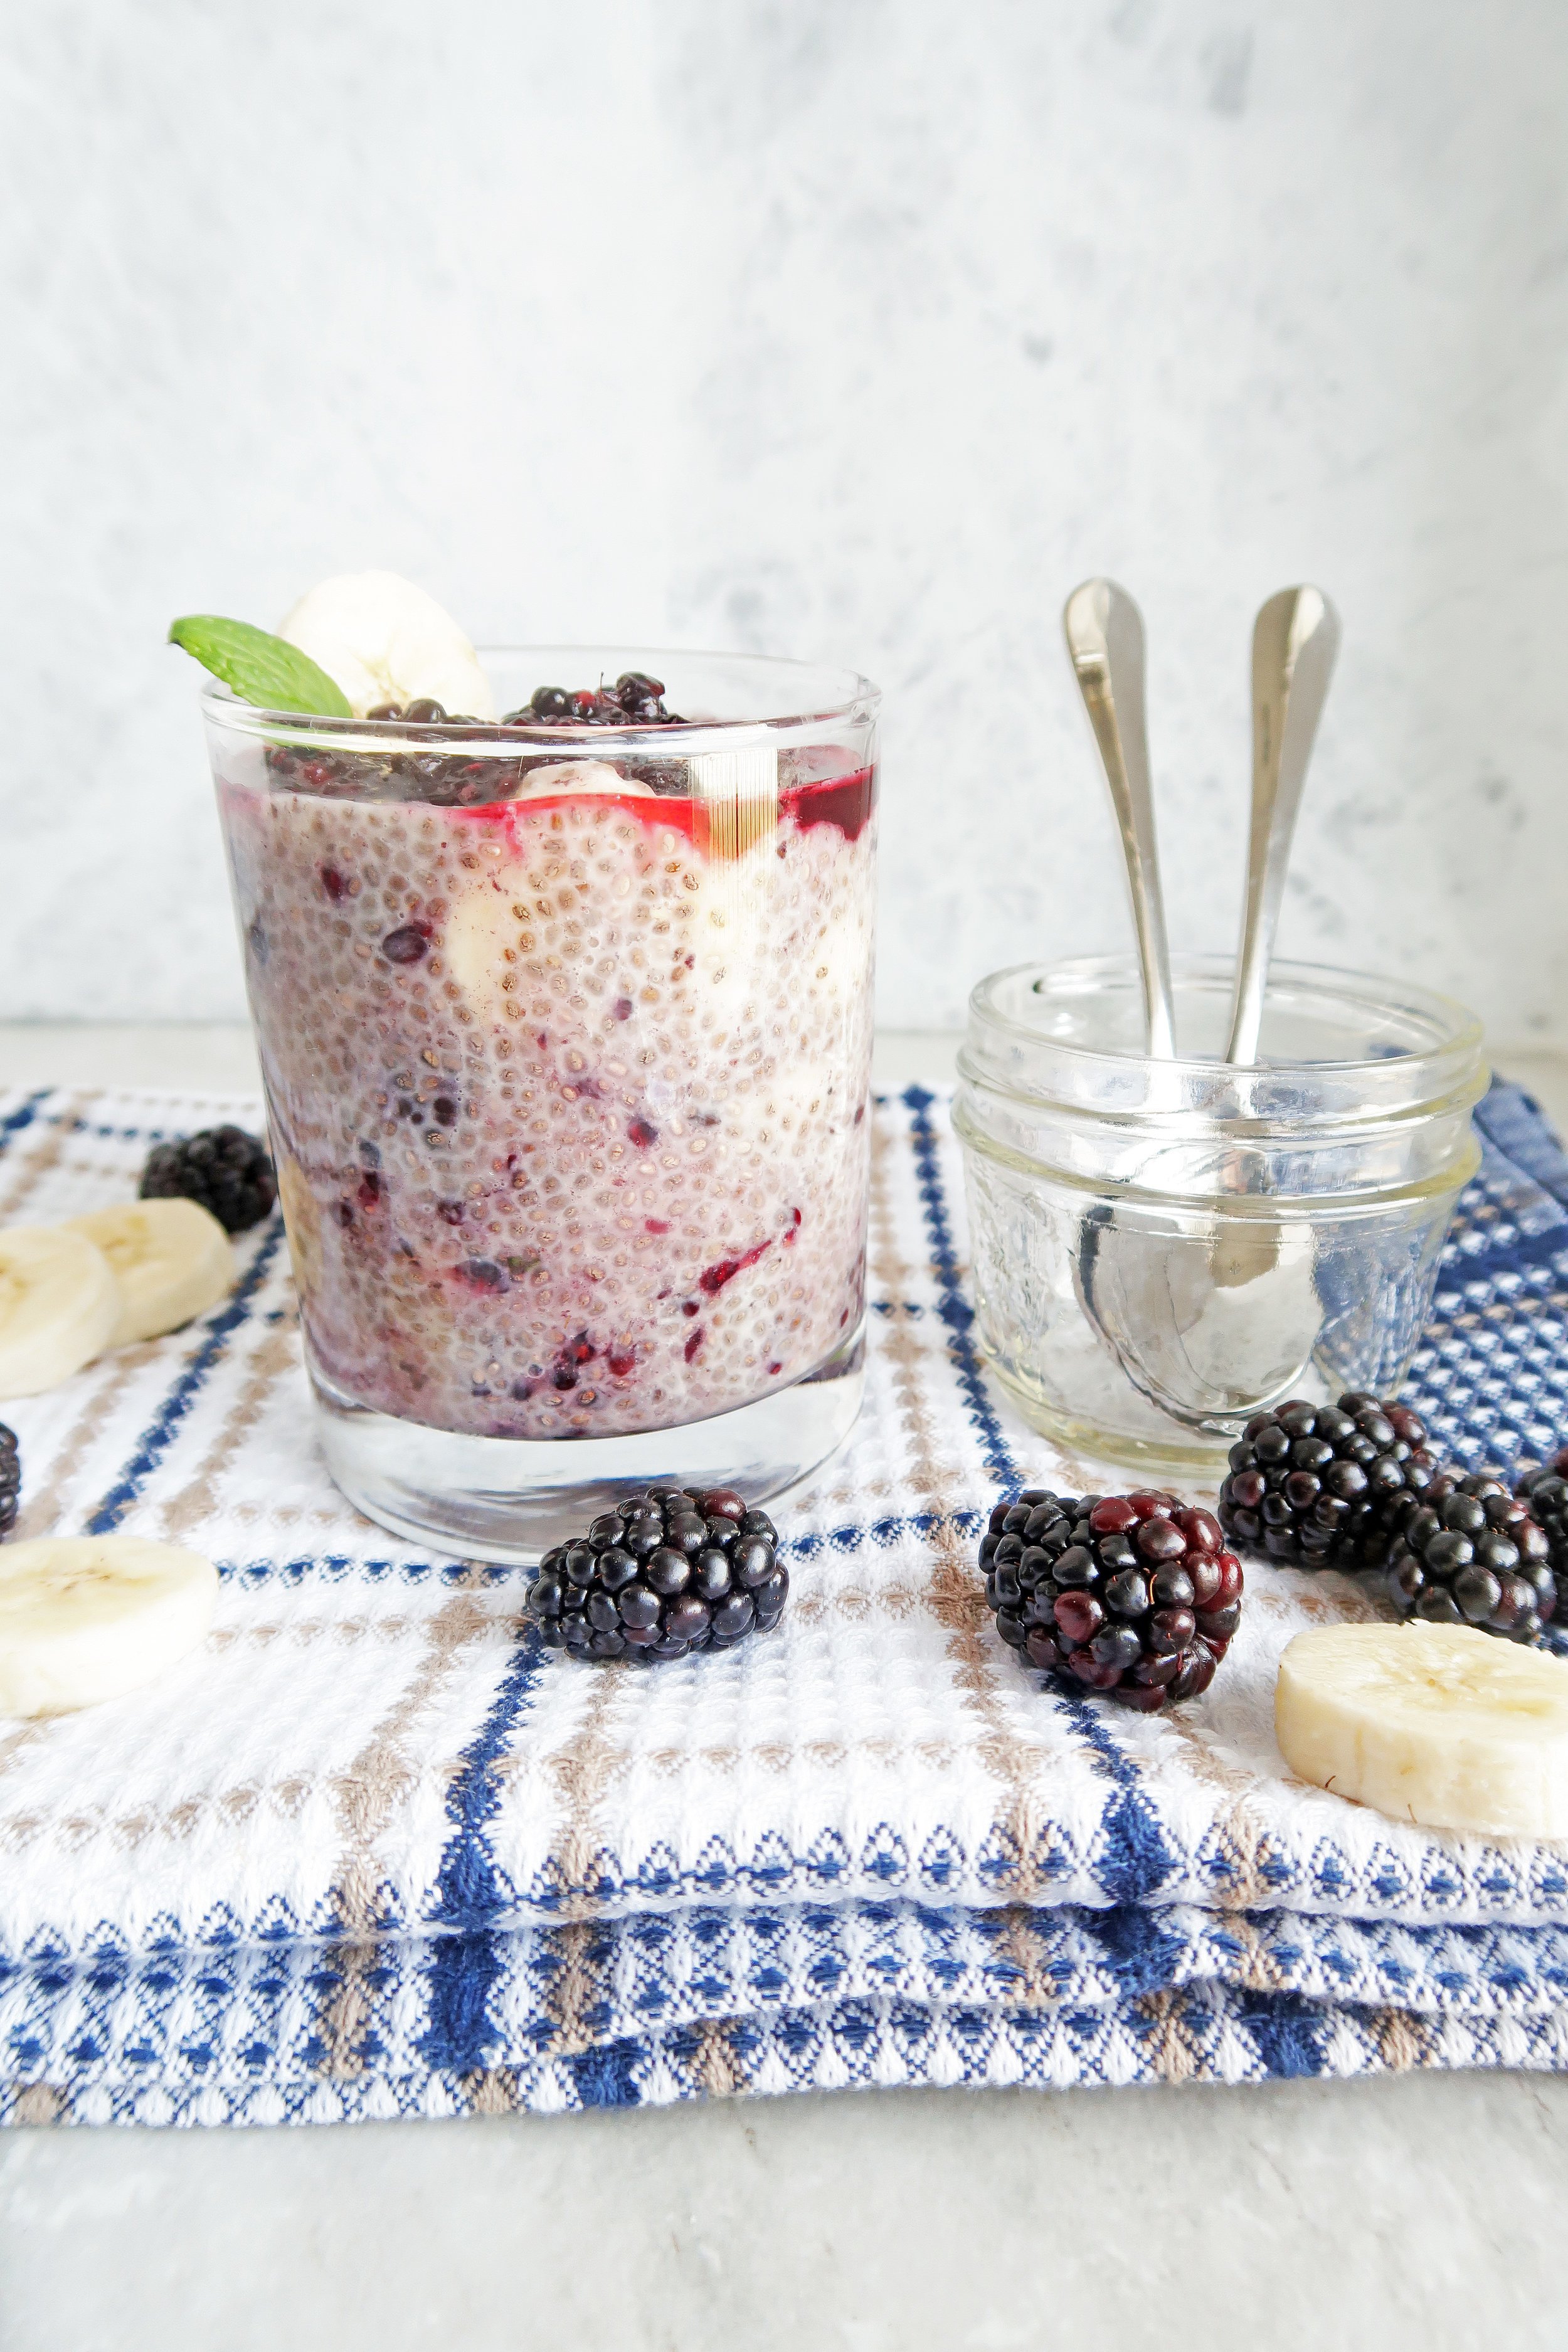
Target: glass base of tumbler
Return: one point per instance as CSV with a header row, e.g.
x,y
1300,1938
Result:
x,y
511,1498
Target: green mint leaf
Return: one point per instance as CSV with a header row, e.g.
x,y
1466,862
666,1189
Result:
x,y
263,670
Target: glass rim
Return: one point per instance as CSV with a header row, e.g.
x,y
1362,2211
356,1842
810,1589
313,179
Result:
x,y
1459,1036
1346,1204
850,699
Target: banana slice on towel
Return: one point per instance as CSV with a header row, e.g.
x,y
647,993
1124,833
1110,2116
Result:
x,y
1438,1724
58,1306
171,1259
384,640
85,1618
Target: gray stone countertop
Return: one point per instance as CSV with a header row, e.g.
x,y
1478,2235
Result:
x,y
1418,2210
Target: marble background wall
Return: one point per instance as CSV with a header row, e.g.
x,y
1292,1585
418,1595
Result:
x,y
856,328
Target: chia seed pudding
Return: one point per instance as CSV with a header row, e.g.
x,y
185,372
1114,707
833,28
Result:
x,y
567,1060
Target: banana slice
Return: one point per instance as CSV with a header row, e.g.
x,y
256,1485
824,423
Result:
x,y
1439,1723
83,1618
58,1306
481,926
384,640
171,1259
554,777
302,1225
477,932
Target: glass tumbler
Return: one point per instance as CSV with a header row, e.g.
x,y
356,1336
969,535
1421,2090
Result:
x,y
565,1032
1161,1249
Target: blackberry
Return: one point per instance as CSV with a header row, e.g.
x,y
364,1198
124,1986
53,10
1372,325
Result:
x,y
1133,1594
10,1479
1323,1486
676,1569
634,700
222,1168
1546,1491
1473,1554
423,712
444,770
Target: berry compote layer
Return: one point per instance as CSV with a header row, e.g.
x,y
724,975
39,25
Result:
x,y
568,1089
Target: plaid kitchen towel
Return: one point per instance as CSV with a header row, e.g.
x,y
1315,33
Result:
x,y
765,1998
373,1850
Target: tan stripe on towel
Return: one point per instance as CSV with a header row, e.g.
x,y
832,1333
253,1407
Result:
x,y
34,1163
276,1357
40,1509
955,1592
365,1796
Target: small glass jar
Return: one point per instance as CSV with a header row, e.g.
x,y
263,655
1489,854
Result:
x,y
565,1029
1162,1249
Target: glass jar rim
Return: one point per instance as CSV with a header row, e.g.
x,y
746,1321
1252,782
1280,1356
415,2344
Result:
x,y
1024,1054
837,697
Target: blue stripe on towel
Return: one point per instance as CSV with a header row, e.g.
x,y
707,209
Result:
x,y
157,1437
952,1305
14,1121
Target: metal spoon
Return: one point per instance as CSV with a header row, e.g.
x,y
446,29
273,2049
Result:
x,y
1104,631
1214,1320
1294,641
1116,1279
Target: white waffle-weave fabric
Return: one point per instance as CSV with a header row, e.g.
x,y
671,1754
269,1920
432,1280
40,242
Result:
x,y
373,1850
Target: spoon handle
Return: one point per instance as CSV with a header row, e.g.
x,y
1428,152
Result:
x,y
1104,631
1294,641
